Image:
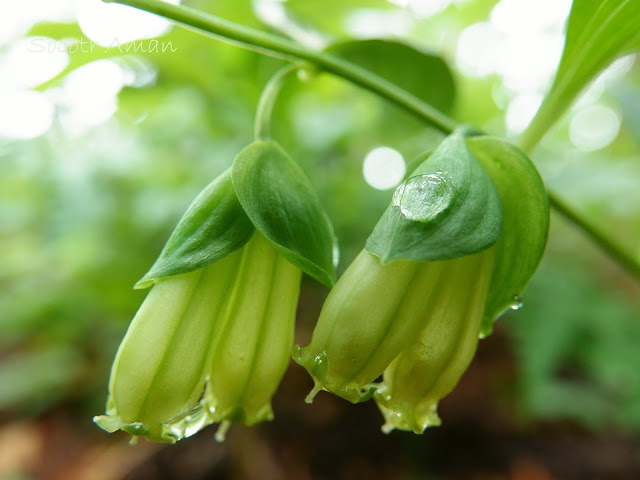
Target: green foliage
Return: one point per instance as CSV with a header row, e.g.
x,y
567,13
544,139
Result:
x,y
598,32
525,222
447,208
404,66
577,349
213,226
83,216
281,203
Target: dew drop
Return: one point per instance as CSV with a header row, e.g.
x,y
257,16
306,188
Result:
x,y
397,195
186,425
296,352
517,303
136,428
320,359
423,197
320,365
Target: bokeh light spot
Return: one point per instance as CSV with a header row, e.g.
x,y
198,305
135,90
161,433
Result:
x,y
383,168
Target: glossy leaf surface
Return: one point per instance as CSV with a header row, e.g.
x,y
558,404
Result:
x,y
281,203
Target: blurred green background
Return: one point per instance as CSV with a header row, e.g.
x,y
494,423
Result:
x,y
102,149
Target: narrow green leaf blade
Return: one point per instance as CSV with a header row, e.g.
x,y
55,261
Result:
x,y
213,226
281,203
598,32
525,222
425,75
447,208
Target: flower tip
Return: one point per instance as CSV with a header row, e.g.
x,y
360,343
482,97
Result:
x,y
221,433
403,417
387,428
317,388
107,423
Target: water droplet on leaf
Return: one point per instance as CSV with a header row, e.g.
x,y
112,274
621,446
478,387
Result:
x,y
517,303
423,197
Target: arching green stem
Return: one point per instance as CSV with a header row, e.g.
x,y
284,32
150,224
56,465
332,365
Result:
x,y
276,46
604,241
280,47
268,99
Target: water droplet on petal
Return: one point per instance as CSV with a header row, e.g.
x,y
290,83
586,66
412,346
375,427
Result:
x,y
423,197
517,303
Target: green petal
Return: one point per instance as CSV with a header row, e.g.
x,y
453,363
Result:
x,y
374,311
158,376
251,354
430,368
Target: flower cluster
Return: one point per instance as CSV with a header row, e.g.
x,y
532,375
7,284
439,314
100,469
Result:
x,y
211,341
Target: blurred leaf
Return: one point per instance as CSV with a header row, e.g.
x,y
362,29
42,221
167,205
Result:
x,y
447,208
283,207
213,226
525,222
598,32
426,76
577,347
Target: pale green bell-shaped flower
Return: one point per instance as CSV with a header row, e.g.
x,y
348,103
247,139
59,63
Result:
x,y
250,351
374,311
207,346
159,372
432,365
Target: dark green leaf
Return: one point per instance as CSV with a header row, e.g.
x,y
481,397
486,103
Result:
x,y
525,222
598,32
424,75
447,208
282,205
214,226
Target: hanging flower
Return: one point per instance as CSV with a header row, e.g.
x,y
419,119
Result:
x,y
211,341
461,238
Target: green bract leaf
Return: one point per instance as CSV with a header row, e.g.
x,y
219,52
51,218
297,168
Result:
x,y
214,226
426,76
525,222
282,205
447,208
598,32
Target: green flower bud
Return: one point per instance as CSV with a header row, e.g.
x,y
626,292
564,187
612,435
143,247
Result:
x,y
373,313
158,375
251,352
432,366
206,346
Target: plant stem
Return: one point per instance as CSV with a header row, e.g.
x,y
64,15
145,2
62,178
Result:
x,y
280,47
268,99
276,46
604,241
